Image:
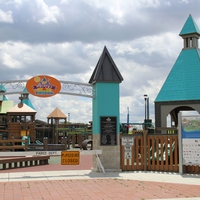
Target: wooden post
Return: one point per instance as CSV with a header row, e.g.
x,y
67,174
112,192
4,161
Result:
x,y
4,146
26,145
65,142
145,149
45,142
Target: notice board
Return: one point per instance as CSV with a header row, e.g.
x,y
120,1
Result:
x,y
108,134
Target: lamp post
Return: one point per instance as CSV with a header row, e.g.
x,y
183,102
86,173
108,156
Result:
x,y
145,106
68,117
127,115
127,120
146,119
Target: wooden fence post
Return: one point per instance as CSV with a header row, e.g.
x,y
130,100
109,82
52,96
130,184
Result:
x,y
145,149
45,142
65,142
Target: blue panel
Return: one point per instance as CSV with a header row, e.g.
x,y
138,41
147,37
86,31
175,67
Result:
x,y
106,103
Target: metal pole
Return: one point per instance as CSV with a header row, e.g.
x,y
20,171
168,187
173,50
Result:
x,y
145,105
128,116
180,145
68,117
148,108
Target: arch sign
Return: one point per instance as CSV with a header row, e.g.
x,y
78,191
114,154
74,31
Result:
x,y
43,86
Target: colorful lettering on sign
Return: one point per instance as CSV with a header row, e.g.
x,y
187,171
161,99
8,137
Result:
x,y
43,86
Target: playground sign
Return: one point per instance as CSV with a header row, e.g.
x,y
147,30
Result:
x,y
189,136
127,141
70,158
128,152
43,86
191,139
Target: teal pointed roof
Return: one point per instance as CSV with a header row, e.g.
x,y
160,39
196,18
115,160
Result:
x,y
28,103
27,100
25,90
189,27
183,80
2,88
5,98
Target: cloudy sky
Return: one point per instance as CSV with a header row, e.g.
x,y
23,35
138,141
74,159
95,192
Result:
x,y
65,38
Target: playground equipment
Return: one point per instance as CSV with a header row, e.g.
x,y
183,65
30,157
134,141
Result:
x,y
161,152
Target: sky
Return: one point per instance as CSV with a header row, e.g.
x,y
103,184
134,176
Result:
x,y
65,38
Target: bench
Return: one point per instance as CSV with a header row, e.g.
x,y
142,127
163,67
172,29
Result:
x,y
10,163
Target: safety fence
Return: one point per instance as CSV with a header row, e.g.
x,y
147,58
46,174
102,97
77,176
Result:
x,y
152,152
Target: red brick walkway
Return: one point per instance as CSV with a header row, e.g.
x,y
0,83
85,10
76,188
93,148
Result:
x,y
90,189
95,189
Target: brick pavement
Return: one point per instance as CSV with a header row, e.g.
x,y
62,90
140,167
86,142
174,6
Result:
x,y
96,188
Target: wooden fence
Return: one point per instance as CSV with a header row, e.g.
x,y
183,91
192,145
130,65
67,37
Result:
x,y
72,141
155,152
13,144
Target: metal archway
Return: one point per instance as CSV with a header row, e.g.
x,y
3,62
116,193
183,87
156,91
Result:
x,y
67,88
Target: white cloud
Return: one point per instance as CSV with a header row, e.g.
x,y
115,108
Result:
x,y
48,14
10,62
167,44
6,17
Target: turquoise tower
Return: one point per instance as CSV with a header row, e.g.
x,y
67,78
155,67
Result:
x,y
106,105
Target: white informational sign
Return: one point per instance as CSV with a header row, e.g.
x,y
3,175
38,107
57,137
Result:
x,y
127,141
191,151
128,152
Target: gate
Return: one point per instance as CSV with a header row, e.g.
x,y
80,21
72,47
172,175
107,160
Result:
x,y
152,152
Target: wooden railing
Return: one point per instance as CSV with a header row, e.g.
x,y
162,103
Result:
x,y
13,144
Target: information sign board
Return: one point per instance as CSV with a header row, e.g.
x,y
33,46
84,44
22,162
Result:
x,y
127,141
70,158
128,152
190,128
108,131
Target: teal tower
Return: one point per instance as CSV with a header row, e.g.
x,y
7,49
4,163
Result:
x,y
25,99
105,111
181,91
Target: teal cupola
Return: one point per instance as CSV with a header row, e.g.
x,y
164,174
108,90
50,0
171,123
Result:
x,y
2,90
25,99
190,33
